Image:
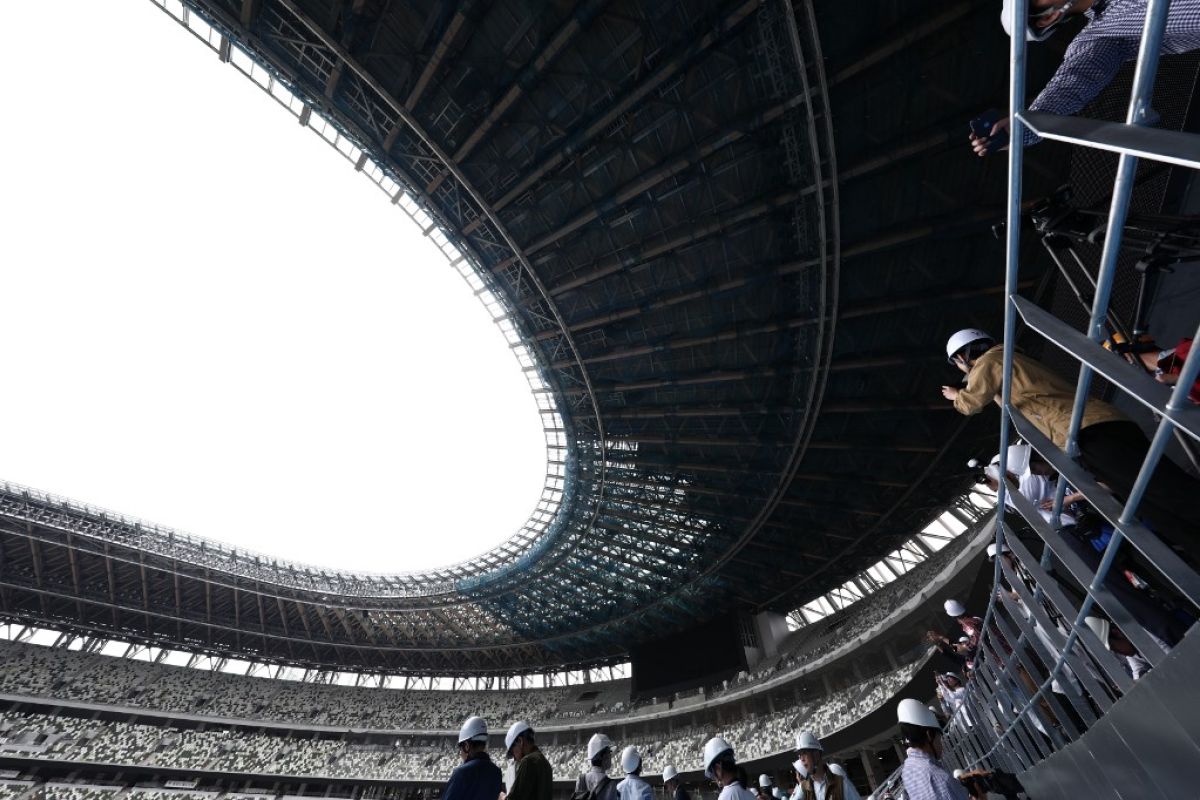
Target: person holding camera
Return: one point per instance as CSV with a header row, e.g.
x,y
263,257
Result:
x,y
1111,446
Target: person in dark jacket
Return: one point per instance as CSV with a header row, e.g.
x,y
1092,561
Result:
x,y
534,779
672,785
476,778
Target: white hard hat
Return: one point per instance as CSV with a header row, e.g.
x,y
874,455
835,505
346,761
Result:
x,y
800,769
954,675
1100,627
714,748
958,773
807,741
913,713
962,338
1032,33
954,608
515,730
992,549
836,769
777,793
764,781
1018,461
964,639
670,773
597,745
631,760
473,730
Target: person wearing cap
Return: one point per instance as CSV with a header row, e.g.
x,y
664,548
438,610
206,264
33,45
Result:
x,y
476,778
814,780
1111,446
633,787
923,775
672,784
721,767
765,785
596,783
1111,37
533,779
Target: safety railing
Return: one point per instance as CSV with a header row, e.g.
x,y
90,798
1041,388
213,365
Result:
x,y
1067,631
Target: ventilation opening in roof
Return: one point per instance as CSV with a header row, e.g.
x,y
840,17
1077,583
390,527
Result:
x,y
223,327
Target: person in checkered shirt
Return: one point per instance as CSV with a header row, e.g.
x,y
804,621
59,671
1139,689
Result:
x,y
1111,37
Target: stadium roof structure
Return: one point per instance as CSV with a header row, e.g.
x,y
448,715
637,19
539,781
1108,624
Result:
x,y
726,241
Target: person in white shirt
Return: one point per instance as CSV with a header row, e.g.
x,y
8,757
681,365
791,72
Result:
x,y
721,767
633,787
1034,487
815,781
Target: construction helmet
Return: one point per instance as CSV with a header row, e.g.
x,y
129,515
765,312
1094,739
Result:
x,y
954,608
962,338
807,741
954,675
958,773
777,793
670,773
912,712
764,781
514,731
631,760
1018,461
597,745
836,769
714,748
473,730
992,549
1032,32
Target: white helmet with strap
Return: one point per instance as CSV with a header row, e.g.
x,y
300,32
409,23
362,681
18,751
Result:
x,y
714,748
806,740
764,781
954,608
914,712
473,730
514,731
631,760
1019,456
670,773
960,339
1032,32
597,745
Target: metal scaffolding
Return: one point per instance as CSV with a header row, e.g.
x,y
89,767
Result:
x,y
1043,676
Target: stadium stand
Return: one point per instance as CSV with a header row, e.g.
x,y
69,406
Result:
x,y
59,737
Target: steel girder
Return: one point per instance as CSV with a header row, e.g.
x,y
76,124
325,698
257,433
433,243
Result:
x,y
650,193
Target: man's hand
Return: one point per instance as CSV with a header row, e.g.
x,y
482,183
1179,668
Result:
x,y
950,393
980,143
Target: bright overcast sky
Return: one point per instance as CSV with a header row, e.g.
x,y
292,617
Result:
x,y
212,322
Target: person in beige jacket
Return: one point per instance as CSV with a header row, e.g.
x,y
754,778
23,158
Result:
x,y
1111,446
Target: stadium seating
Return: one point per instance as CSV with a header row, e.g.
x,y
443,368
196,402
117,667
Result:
x,y
236,750
82,677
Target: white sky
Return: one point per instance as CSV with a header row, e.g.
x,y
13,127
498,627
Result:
x,y
212,322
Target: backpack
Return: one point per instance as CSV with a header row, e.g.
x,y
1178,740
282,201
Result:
x,y
583,793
